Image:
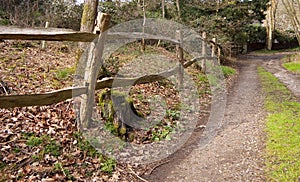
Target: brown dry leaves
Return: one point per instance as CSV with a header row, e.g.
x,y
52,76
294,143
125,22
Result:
x,y
42,143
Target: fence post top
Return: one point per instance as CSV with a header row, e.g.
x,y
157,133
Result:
x,y
102,23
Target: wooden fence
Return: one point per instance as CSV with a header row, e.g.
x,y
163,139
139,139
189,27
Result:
x,y
54,34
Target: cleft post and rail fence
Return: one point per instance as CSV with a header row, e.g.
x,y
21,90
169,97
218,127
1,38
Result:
x,y
55,34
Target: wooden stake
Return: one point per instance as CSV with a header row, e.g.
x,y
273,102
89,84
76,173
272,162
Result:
x,y
180,59
43,41
204,52
94,61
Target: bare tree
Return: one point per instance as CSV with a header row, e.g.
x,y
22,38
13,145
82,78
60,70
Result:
x,y
163,8
293,10
89,15
88,18
178,9
144,24
270,22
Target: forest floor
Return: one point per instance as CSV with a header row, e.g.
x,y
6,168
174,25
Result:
x,y
237,152
43,143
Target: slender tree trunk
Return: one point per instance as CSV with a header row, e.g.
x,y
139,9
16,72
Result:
x,y
178,9
270,21
163,9
88,18
89,15
144,23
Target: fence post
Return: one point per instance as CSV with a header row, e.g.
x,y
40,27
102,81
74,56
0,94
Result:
x,y
230,50
204,52
97,28
43,41
179,52
219,54
213,47
94,61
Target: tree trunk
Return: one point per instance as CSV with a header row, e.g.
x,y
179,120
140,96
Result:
x,y
89,15
178,9
270,21
163,9
144,23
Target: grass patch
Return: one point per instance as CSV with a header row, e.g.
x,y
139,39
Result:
x,y
282,129
292,66
228,71
64,73
266,51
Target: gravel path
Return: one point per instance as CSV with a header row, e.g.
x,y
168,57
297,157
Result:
x,y
235,154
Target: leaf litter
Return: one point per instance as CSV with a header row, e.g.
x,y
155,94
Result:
x,y
43,142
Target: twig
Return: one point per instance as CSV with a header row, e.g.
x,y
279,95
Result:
x,y
4,143
24,161
132,172
156,166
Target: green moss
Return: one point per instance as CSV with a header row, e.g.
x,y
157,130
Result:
x,y
85,14
111,111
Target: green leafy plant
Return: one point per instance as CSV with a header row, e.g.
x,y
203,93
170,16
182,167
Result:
x,y
2,165
57,167
84,145
109,126
173,114
161,133
108,165
34,141
16,150
53,148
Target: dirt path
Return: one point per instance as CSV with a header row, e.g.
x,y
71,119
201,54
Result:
x,y
235,154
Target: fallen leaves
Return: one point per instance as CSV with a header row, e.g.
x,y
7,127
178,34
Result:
x,y
41,143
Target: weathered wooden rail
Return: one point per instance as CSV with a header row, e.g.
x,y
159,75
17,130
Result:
x,y
10,101
57,34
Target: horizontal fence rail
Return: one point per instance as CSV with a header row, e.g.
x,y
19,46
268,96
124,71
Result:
x,y
56,96
58,34
10,101
51,34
